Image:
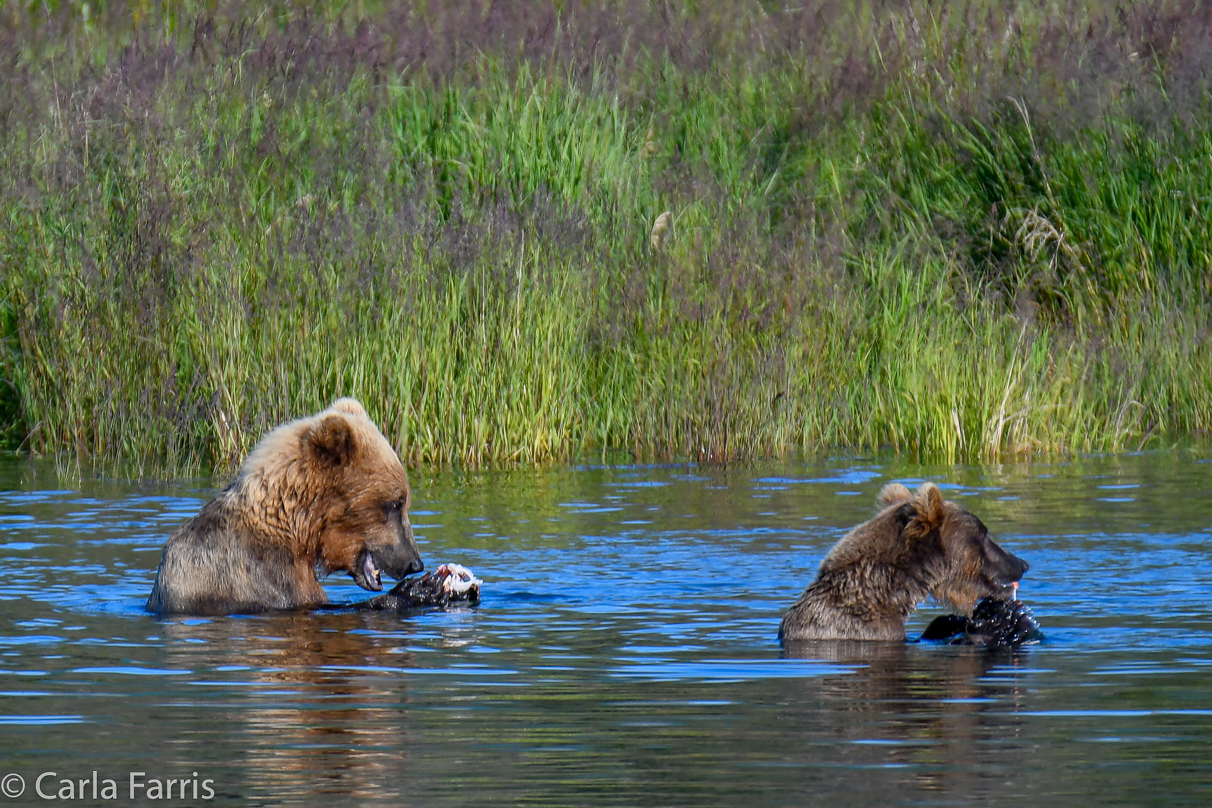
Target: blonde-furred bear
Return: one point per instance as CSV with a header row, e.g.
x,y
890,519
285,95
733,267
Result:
x,y
317,495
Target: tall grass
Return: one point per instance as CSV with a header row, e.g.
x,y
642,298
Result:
x,y
967,230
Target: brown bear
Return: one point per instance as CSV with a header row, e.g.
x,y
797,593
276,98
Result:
x,y
322,493
915,548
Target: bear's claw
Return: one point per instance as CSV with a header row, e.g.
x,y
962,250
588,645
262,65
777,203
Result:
x,y
449,583
994,624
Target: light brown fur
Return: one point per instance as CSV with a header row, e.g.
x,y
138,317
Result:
x,y
321,493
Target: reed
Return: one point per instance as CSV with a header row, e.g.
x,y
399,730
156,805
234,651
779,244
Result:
x,y
527,233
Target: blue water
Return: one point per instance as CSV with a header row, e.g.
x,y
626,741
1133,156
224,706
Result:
x,y
624,652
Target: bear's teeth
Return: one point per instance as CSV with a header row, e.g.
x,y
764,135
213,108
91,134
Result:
x,y
372,572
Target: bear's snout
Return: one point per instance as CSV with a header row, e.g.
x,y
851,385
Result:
x,y
401,560
1007,568
1020,566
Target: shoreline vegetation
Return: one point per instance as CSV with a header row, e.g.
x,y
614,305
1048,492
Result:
x,y
959,231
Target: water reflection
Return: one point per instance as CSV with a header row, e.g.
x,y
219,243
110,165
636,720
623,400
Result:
x,y
625,650
313,698
937,713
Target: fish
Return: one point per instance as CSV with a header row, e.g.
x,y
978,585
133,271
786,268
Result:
x,y
449,583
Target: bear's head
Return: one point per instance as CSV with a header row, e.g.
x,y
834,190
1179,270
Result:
x,y
951,547
341,493
366,529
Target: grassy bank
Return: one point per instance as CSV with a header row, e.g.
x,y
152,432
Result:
x,y
961,231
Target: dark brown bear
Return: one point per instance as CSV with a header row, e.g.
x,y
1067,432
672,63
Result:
x,y
323,493
917,547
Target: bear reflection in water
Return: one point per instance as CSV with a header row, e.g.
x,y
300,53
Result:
x,y
315,704
932,717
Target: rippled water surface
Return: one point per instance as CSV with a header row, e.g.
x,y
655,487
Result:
x,y
625,652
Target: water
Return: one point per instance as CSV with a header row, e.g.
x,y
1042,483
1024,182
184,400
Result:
x,y
625,651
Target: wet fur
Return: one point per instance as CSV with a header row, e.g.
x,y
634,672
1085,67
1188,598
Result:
x,y
917,547
311,497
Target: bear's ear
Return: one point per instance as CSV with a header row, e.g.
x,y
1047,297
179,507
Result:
x,y
349,405
930,512
893,494
330,442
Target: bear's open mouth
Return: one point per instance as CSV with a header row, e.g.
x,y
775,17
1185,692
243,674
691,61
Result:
x,y
366,572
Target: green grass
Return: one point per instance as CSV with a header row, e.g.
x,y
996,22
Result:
x,y
881,235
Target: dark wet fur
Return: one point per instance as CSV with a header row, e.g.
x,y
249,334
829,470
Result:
x,y
917,547
416,593
994,624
